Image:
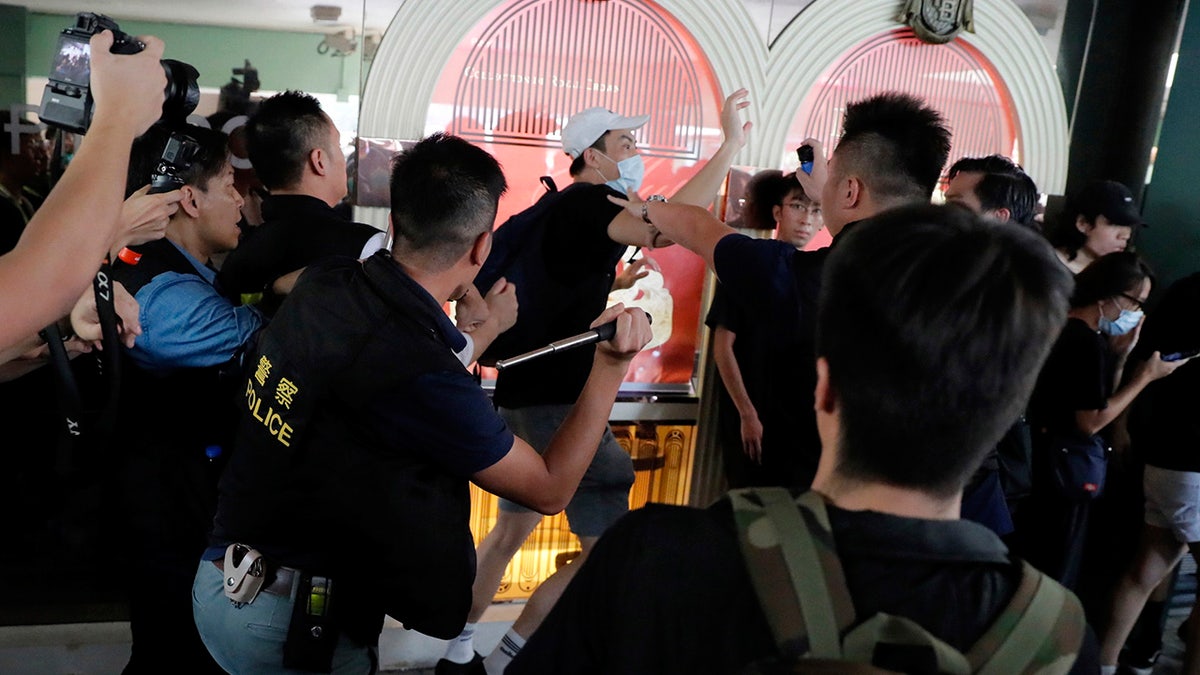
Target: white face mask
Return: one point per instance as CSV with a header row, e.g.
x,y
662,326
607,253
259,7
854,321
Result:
x,y
630,172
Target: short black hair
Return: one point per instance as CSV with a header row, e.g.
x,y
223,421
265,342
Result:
x,y
147,151
444,194
281,134
934,324
764,191
1109,276
578,164
1004,185
896,144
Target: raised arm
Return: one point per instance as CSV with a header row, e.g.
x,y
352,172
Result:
x,y
701,188
68,237
692,227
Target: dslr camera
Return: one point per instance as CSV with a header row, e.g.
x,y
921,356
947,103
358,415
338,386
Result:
x,y
177,158
67,100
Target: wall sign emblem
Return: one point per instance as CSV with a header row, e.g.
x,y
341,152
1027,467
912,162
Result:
x,y
939,21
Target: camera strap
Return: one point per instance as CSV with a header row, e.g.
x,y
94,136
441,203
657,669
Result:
x,y
108,363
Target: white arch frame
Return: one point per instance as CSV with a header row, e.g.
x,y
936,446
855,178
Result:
x,y
422,37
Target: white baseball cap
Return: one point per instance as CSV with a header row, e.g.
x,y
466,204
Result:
x,y
585,128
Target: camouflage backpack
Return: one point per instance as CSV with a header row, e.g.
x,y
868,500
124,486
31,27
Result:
x,y
785,539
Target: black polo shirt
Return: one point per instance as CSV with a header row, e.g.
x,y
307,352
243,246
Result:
x,y
359,431
666,591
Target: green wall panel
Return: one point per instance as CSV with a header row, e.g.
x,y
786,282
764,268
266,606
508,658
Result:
x,y
12,54
285,60
1172,201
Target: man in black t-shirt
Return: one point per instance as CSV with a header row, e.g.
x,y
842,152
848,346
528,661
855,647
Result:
x,y
567,268
296,152
754,352
905,414
891,153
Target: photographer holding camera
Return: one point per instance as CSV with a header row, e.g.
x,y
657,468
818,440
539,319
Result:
x,y
43,276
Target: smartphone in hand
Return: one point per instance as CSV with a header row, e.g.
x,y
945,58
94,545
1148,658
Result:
x,y
805,154
1179,356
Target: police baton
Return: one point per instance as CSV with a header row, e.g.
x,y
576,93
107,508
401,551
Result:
x,y
604,331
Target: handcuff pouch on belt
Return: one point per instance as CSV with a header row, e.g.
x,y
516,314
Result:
x,y
245,573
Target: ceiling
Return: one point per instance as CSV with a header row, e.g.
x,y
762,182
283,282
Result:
x,y
292,15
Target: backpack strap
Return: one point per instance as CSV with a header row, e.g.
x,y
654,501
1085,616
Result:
x,y
1039,631
548,183
783,540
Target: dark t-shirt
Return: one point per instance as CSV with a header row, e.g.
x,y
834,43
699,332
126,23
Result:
x,y
1163,423
666,591
768,296
1077,376
580,261
298,230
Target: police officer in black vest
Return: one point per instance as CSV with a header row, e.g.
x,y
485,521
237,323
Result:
x,y
347,497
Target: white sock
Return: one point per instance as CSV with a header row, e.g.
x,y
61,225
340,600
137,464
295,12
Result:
x,y
462,648
504,653
1108,670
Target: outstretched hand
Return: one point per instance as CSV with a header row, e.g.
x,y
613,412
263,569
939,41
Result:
x,y
732,127
632,272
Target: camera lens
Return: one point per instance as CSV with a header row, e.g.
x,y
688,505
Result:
x,y
183,92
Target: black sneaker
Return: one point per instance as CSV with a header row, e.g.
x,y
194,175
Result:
x,y
472,667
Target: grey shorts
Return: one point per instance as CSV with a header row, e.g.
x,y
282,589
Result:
x,y
1173,502
603,494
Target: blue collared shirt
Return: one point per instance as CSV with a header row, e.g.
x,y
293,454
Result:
x,y
186,323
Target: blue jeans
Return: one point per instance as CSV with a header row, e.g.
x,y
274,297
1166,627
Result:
x,y
249,639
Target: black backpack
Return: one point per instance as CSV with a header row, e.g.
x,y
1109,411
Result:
x,y
518,256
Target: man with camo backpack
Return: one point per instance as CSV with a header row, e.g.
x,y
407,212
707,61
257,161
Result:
x,y
931,329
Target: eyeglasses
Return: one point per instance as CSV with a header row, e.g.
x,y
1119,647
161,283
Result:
x,y
802,207
1137,304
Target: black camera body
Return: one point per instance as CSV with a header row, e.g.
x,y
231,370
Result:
x,y
177,158
67,100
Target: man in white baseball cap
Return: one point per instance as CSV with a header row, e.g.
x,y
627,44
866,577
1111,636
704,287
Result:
x,y
561,254
589,130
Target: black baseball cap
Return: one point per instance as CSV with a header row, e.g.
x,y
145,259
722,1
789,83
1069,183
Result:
x,y
1110,199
